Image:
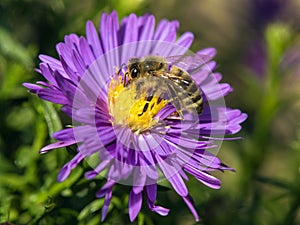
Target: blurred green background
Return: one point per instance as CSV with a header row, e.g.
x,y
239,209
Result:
x,y
258,43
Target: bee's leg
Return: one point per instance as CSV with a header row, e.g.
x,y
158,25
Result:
x,y
174,97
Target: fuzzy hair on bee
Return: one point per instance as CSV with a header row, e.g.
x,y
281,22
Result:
x,y
155,76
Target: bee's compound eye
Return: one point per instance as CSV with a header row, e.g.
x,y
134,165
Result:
x,y
134,71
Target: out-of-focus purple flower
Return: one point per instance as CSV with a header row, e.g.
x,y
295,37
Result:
x,y
256,57
120,137
264,11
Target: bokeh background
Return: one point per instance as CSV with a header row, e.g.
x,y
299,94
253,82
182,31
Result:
x,y
258,43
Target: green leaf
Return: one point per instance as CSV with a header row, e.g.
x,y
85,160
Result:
x,y
12,181
278,37
51,117
57,187
13,49
90,209
274,182
141,219
11,81
20,117
94,221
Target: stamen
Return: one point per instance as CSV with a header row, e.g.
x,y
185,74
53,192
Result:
x,y
133,109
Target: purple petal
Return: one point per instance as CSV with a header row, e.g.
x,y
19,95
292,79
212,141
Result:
x,y
159,210
71,40
217,91
47,72
86,51
164,149
134,204
129,29
106,204
108,31
146,24
150,190
106,187
78,60
67,87
166,31
208,51
59,144
52,95
185,41
55,64
203,177
72,75
65,52
34,88
150,171
170,171
93,39
165,112
146,31
190,203
64,135
92,174
67,168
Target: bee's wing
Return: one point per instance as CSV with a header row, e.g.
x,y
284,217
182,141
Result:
x,y
173,81
175,88
190,63
165,75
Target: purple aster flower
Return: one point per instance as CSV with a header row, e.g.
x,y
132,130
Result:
x,y
125,135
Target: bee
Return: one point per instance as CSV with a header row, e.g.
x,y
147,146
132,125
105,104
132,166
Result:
x,y
171,80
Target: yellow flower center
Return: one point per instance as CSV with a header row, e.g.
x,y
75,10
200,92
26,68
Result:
x,y
132,109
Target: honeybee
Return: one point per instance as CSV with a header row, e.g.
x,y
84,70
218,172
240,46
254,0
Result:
x,y
176,83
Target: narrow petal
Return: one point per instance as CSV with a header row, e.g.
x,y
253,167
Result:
x,y
134,204
93,39
159,210
170,171
190,203
203,177
67,168
48,73
92,174
106,187
106,204
63,135
208,51
146,31
67,87
151,190
52,95
185,41
65,52
34,88
55,64
129,29
59,144
166,31
139,180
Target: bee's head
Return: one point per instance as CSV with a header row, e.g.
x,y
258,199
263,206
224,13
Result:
x,y
142,67
134,68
